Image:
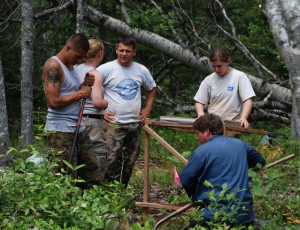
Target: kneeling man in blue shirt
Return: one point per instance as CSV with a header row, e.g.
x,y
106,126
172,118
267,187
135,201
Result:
x,y
223,162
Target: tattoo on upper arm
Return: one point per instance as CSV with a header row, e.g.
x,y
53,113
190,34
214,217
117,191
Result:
x,y
53,75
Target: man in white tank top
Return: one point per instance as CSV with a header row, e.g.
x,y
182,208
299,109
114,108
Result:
x,y
64,93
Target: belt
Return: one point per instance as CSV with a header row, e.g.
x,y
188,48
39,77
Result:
x,y
95,116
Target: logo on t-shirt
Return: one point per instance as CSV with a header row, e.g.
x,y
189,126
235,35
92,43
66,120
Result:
x,y
128,89
230,88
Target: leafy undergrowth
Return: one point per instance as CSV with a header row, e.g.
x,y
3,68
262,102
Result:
x,y
32,197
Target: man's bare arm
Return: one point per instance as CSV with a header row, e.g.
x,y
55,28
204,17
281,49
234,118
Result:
x,y
52,79
150,96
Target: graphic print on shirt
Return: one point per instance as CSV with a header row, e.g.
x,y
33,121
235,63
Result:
x,y
127,89
230,88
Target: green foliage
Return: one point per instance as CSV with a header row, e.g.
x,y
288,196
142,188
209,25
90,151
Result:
x,y
148,224
222,215
32,196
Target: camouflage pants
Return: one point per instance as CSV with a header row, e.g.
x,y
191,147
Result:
x,y
123,142
83,154
95,129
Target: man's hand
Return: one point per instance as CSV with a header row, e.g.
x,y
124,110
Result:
x,y
85,91
144,113
89,80
109,116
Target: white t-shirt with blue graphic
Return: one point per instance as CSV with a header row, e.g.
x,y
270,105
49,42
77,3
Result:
x,y
225,95
122,89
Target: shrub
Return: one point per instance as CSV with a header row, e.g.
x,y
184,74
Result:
x,y
33,197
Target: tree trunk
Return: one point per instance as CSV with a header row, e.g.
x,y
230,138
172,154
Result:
x,y
4,134
26,72
284,22
81,16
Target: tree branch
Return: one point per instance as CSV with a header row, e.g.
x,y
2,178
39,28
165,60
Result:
x,y
257,65
54,10
233,30
247,54
124,11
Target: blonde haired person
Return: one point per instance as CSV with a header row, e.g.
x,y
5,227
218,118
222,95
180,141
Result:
x,y
95,105
227,92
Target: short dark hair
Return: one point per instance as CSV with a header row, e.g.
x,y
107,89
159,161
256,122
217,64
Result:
x,y
79,41
209,121
127,40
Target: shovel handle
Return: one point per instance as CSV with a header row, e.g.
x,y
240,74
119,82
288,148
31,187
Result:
x,y
175,213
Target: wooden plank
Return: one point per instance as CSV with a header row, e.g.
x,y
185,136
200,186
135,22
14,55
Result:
x,y
165,144
240,129
230,127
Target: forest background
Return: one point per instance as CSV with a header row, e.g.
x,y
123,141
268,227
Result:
x,y
174,39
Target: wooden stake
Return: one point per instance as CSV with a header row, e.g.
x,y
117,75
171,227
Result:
x,y
278,162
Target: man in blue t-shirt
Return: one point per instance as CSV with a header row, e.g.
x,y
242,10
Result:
x,y
220,165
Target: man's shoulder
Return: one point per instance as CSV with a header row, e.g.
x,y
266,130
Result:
x,y
109,63
52,65
139,65
221,139
52,61
218,142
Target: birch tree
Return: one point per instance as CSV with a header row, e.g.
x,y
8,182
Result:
x,y
81,16
284,22
26,73
4,134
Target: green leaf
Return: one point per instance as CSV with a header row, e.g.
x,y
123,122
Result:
x,y
68,164
79,166
251,173
224,186
208,184
268,187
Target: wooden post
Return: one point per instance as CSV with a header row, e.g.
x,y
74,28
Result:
x,y
146,173
165,144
